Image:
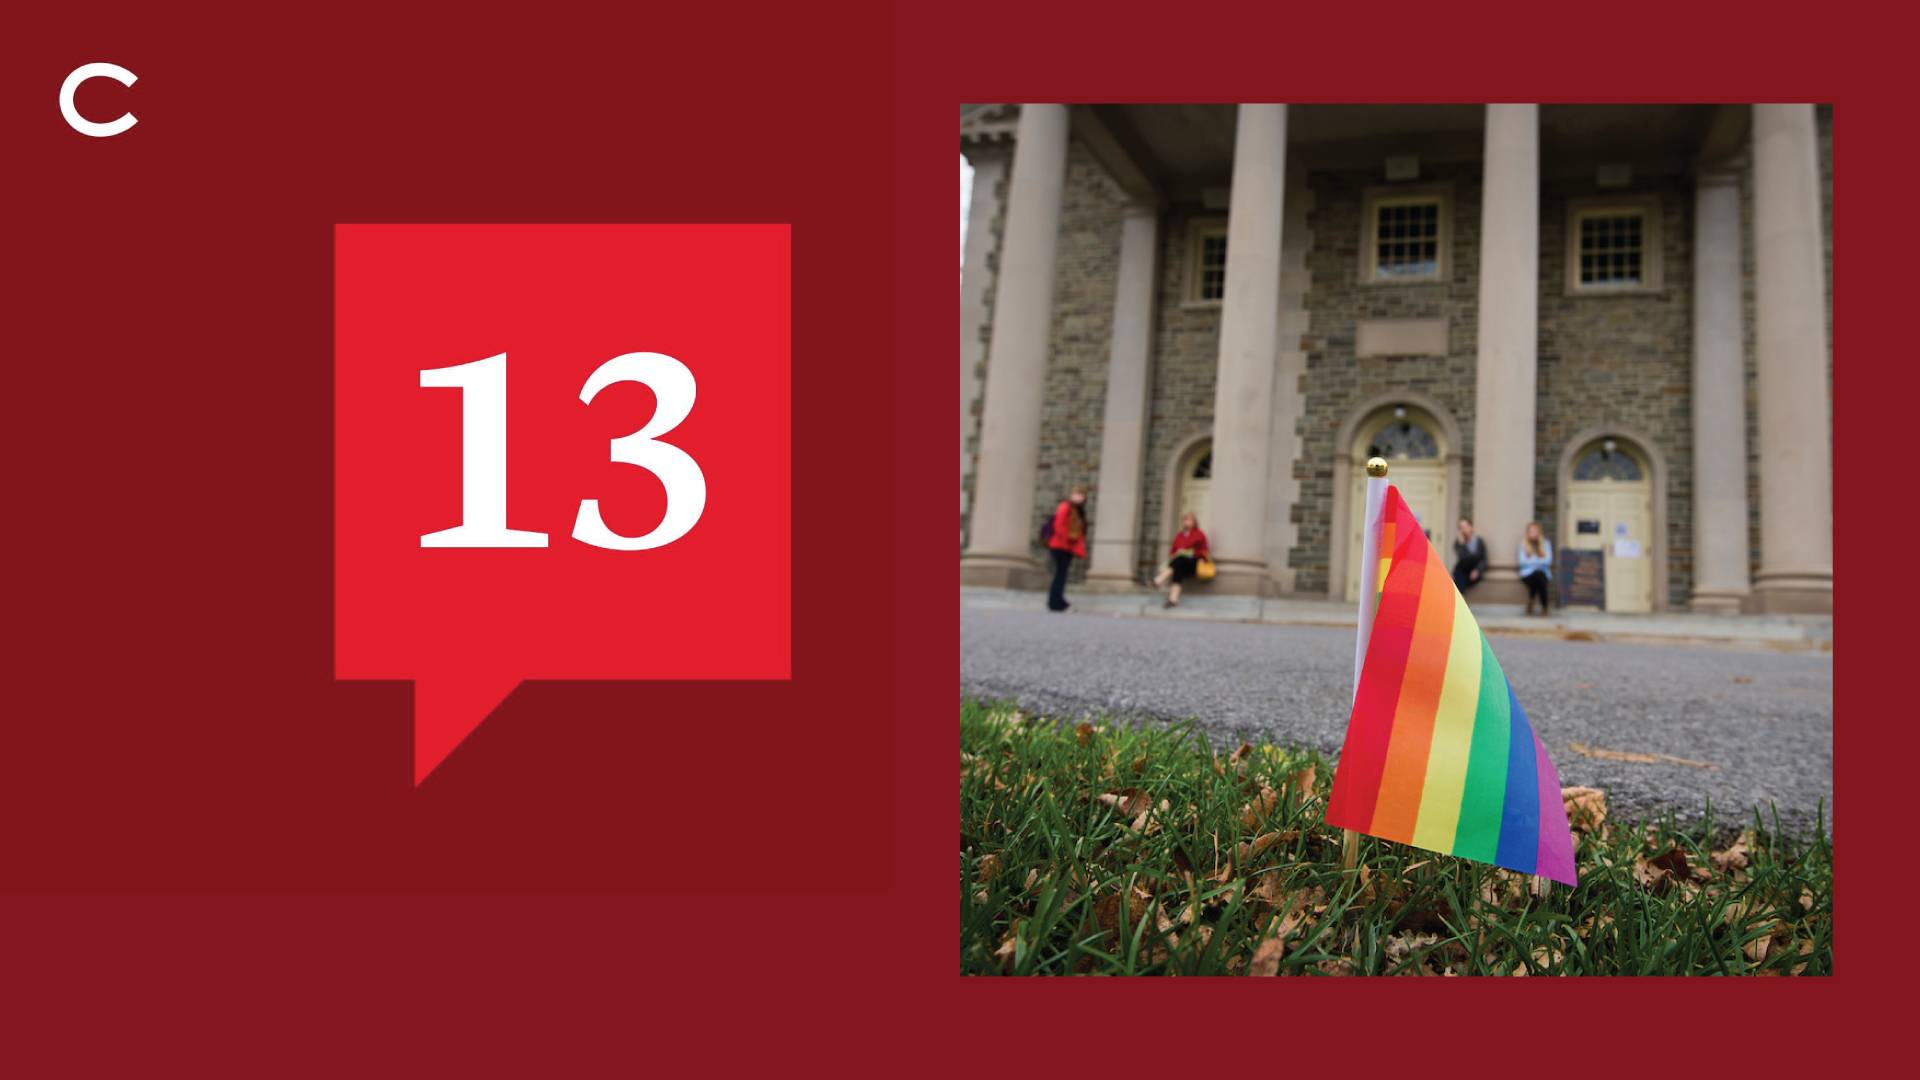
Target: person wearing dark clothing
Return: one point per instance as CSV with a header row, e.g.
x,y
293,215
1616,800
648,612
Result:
x,y
1469,557
1066,541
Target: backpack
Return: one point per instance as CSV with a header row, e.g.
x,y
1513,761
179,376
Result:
x,y
1046,530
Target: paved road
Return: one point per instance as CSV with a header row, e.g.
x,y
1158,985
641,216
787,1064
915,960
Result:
x,y
1764,718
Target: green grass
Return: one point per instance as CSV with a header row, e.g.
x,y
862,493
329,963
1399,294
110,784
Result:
x,y
1187,866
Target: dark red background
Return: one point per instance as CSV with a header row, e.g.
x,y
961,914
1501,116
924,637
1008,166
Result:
x,y
204,853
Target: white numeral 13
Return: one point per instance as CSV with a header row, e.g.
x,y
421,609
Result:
x,y
483,455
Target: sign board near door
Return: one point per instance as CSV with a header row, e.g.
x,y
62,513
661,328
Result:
x,y
1583,578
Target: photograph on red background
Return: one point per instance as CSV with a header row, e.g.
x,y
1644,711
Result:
x,y
1396,539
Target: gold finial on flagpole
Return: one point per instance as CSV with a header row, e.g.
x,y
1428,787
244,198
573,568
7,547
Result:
x,y
1376,466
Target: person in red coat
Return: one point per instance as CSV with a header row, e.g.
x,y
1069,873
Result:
x,y
1066,540
1189,547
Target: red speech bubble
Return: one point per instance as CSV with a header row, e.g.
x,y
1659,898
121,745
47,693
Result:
x,y
560,452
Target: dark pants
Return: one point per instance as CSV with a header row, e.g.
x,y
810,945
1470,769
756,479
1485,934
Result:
x,y
1057,595
1537,586
1463,575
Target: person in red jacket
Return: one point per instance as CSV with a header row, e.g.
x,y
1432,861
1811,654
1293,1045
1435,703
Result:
x,y
1066,539
1189,547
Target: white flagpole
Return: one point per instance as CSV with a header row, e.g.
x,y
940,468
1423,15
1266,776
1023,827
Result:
x,y
1369,594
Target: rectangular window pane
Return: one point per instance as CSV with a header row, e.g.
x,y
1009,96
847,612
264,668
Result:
x,y
1610,249
1406,239
1213,266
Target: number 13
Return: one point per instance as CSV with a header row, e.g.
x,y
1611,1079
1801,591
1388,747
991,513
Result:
x,y
483,455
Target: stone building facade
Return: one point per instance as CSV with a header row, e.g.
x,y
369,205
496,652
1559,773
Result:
x,y
1612,320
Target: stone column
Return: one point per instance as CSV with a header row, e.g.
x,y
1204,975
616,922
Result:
x,y
1720,550
989,168
1002,528
1249,333
1123,434
1790,347
1509,318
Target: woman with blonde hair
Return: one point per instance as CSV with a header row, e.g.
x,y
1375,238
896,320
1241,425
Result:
x,y
1189,547
1536,566
1066,538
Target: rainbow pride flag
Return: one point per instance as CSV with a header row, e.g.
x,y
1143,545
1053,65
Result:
x,y
1439,753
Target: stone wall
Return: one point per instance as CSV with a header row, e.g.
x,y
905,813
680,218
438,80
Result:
x,y
1085,278
1622,361
1186,353
1336,382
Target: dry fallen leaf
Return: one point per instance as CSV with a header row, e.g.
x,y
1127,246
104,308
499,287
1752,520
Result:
x,y
1128,801
989,867
1401,946
1649,877
1503,888
1083,733
1108,910
1757,949
1266,958
1586,807
1240,755
1806,949
1734,857
1743,678
1544,958
1256,811
1008,945
1140,823
1630,755
1302,780
1662,872
1268,889
1246,850
1673,862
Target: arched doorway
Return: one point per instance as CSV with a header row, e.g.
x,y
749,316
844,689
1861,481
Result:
x,y
1414,443
1610,509
1194,485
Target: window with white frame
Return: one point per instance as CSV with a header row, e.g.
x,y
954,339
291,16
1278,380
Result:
x,y
1613,245
1207,263
1406,234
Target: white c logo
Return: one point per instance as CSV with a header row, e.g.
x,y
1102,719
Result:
x,y
80,123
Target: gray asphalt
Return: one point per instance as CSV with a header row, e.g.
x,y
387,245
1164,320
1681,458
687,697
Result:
x,y
1764,719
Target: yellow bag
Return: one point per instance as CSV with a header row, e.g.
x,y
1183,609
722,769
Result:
x,y
1204,570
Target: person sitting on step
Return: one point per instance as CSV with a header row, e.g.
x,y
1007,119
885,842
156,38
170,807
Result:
x,y
1189,547
1536,566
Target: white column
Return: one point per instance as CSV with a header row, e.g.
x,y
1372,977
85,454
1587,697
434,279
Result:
x,y
989,168
1720,549
1123,434
1002,526
1249,331
1509,319
1790,348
